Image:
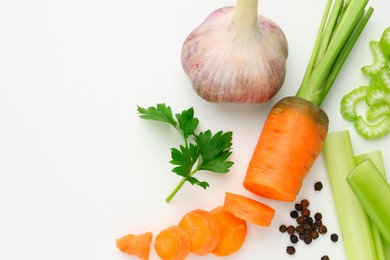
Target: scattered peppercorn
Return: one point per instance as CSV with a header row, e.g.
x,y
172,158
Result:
x,y
298,206
294,214
300,219
290,250
305,203
322,229
325,257
318,216
334,237
290,229
318,186
283,228
294,239
314,234
305,212
307,240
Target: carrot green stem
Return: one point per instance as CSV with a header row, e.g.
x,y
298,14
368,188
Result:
x,y
337,34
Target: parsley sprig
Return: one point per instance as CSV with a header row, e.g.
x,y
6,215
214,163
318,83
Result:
x,y
201,152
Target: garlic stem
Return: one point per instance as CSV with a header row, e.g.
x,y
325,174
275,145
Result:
x,y
245,14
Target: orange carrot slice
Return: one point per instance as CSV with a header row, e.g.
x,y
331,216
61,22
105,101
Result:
x,y
248,209
232,232
136,244
172,243
202,229
291,139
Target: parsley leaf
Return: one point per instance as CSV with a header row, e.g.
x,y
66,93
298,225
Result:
x,y
160,113
214,150
203,151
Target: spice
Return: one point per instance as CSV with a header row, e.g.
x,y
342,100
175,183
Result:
x,y
307,228
290,229
334,237
294,239
305,212
322,229
325,257
283,228
290,250
294,214
305,203
318,186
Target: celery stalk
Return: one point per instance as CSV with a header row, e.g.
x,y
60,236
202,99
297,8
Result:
x,y
376,158
354,222
373,192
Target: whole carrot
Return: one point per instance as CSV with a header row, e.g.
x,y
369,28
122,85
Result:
x,y
290,141
296,127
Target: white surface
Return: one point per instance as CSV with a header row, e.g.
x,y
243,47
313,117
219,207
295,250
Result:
x,y
78,168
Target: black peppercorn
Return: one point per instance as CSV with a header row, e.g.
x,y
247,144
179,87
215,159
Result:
x,y
334,237
307,240
298,206
290,250
300,219
305,212
318,186
322,229
283,228
314,234
325,257
318,216
294,239
290,229
299,229
294,214
305,203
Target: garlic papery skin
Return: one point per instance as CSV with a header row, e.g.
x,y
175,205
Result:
x,y
236,56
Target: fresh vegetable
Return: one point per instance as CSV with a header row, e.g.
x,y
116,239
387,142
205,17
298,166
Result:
x,y
294,131
354,222
202,230
376,96
248,209
236,55
232,232
376,158
204,151
172,243
385,41
373,192
136,244
295,128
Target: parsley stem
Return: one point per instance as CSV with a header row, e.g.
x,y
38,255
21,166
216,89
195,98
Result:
x,y
178,187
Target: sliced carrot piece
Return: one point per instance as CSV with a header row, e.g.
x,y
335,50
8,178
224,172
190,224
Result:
x,y
232,232
248,209
291,139
172,243
136,244
202,229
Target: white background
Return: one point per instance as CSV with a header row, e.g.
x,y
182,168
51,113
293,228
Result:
x,y
79,169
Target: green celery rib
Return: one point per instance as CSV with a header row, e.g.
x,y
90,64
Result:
x,y
373,192
354,222
377,159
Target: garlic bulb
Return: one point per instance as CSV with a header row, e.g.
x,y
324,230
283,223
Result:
x,y
236,55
